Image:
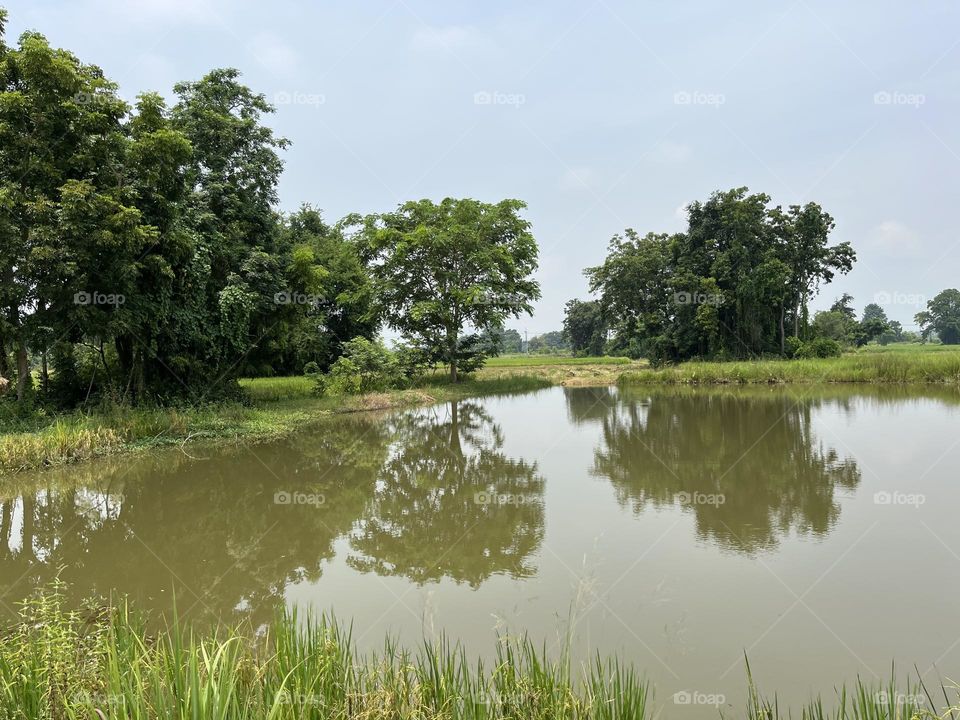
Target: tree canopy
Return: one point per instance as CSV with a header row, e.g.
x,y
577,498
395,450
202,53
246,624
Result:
x,y
733,285
443,267
942,317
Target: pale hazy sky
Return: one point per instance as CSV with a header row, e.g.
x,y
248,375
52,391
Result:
x,y
600,115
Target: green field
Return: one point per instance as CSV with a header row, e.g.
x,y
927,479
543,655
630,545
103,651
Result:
x,y
890,364
540,360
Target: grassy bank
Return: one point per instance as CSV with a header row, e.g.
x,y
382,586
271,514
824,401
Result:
x,y
560,370
108,663
277,406
872,366
542,360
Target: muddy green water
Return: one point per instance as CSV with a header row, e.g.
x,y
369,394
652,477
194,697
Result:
x,y
814,529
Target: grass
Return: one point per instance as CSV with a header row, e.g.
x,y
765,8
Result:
x,y
871,366
278,406
109,662
541,360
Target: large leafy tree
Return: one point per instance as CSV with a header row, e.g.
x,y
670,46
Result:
x,y
730,286
802,233
585,327
443,267
327,300
942,316
67,222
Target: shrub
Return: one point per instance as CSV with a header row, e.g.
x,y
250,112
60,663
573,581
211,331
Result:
x,y
365,366
412,361
311,369
820,348
793,345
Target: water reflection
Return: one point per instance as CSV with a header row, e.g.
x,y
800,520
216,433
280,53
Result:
x,y
226,534
747,464
449,503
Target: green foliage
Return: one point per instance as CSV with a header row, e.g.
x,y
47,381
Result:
x,y
730,286
585,327
365,366
140,251
792,346
441,267
55,663
942,318
511,341
835,325
549,342
820,347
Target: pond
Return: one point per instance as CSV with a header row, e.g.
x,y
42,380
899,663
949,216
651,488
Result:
x,y
812,530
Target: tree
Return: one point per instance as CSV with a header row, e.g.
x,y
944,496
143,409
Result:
x,y
584,327
942,317
844,306
874,312
326,297
833,325
892,333
511,341
727,287
61,152
442,267
803,233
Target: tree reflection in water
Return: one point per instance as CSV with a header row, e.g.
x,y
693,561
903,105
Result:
x,y
211,531
747,464
450,503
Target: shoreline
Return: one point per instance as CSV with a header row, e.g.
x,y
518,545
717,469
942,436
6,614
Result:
x,y
277,407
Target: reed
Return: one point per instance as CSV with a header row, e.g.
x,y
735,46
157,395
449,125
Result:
x,y
109,662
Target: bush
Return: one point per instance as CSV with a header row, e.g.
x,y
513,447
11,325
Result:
x,y
365,366
311,369
412,361
793,345
820,348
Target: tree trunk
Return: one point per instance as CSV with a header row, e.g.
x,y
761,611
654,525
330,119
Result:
x,y
452,353
783,343
4,361
23,370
